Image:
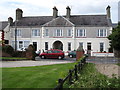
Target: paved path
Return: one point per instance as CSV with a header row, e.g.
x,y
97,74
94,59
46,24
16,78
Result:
x,y
31,63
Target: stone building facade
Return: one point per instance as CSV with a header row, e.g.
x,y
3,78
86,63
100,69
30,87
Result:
x,y
66,32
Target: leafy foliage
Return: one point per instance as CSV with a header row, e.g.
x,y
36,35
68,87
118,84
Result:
x,y
115,37
91,78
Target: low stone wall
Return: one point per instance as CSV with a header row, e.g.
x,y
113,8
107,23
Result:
x,y
102,54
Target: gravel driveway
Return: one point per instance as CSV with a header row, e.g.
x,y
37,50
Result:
x,y
31,63
109,70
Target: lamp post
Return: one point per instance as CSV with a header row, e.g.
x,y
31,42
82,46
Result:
x,y
15,35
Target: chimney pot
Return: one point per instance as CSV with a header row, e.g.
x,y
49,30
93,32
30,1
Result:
x,y
19,14
10,20
108,12
68,12
55,12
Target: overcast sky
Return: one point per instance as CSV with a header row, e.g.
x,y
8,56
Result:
x,y
44,7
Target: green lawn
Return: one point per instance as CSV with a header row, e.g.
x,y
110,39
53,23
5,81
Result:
x,y
34,77
9,58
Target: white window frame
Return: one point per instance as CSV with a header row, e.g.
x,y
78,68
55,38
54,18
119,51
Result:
x,y
46,45
69,33
102,33
69,47
59,34
18,33
22,46
81,32
35,32
26,46
103,46
46,32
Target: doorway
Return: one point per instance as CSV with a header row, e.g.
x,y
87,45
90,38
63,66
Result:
x,y
35,45
89,48
58,45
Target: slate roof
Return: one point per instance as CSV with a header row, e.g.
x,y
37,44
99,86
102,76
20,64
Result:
x,y
59,21
77,20
3,24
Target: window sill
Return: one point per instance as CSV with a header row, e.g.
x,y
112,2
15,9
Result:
x,y
101,37
80,37
58,37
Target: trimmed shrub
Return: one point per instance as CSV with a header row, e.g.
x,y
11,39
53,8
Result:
x,y
30,52
8,49
19,54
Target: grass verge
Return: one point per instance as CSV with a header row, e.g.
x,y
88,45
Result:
x,y
34,77
91,78
11,58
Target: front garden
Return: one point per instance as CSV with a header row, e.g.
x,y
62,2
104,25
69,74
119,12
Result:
x,y
47,77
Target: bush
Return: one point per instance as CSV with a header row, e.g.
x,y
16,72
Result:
x,y
19,54
30,52
8,49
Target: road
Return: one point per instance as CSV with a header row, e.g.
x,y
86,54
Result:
x,y
40,62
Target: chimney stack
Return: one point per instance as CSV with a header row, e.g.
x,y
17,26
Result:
x,y
108,12
68,12
10,20
55,12
19,14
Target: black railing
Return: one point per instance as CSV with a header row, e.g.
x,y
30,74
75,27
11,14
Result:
x,y
73,74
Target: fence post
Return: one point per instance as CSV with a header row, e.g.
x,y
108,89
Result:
x,y
79,67
76,76
85,60
70,76
60,82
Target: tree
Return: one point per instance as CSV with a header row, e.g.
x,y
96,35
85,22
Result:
x,y
115,39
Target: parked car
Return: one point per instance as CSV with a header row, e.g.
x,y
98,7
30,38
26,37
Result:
x,y
72,54
53,53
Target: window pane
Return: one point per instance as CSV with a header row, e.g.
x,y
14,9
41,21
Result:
x,y
46,32
101,47
80,33
105,31
35,32
46,45
101,33
59,32
18,33
26,44
13,44
20,44
69,46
